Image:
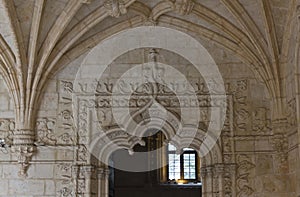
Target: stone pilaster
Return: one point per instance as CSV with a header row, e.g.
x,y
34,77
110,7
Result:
x,y
88,172
279,142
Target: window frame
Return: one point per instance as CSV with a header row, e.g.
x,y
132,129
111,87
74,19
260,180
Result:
x,y
184,152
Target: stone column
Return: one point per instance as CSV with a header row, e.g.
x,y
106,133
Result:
x,y
23,148
207,185
219,178
203,177
279,142
75,176
100,176
103,182
106,182
88,171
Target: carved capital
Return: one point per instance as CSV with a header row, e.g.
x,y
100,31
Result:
x,y
184,7
115,8
24,154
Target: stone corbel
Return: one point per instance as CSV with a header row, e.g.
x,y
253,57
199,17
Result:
x,y
115,8
23,148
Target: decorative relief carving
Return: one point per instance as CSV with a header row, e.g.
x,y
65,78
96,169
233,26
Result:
x,y
64,173
184,7
280,145
244,168
7,126
82,153
65,133
115,8
67,86
23,148
24,154
261,124
65,192
45,132
229,177
291,113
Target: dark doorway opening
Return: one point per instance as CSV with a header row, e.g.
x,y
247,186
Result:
x,y
149,183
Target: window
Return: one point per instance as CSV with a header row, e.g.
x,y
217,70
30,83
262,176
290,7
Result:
x,y
184,166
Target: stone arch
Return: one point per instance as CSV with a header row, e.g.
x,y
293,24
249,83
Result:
x,y
104,53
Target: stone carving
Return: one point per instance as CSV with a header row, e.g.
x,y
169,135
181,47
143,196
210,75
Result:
x,y
291,113
229,176
24,154
261,123
115,8
82,153
45,132
65,192
280,145
243,172
67,86
7,127
23,148
184,7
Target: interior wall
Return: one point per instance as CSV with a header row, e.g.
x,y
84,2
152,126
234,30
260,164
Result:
x,y
246,147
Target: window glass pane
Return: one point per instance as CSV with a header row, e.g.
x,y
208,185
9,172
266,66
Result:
x,y
189,166
171,147
174,166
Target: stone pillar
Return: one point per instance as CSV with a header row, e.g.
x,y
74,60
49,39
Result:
x,y
103,182
203,174
23,148
75,176
100,176
279,142
219,172
106,182
207,185
88,171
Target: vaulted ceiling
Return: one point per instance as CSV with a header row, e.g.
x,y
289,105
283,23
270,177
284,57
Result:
x,y
39,37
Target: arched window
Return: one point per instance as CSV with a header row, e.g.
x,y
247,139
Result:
x,y
182,167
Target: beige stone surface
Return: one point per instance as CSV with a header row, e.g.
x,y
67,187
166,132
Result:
x,y
46,124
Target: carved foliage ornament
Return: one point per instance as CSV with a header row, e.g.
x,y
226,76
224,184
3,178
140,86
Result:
x,y
115,8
